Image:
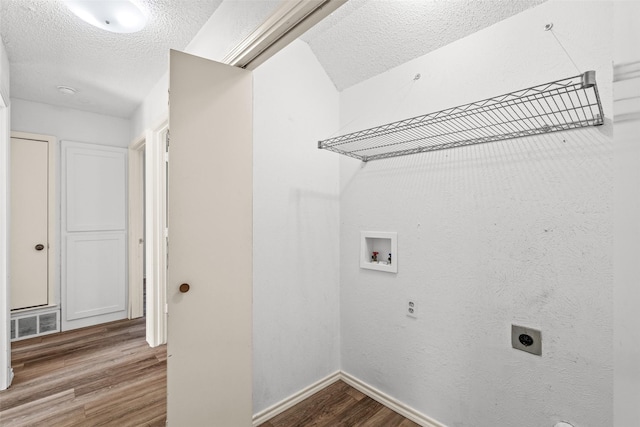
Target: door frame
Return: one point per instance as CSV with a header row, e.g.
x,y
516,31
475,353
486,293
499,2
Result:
x,y
53,292
147,155
156,233
6,372
136,227
152,144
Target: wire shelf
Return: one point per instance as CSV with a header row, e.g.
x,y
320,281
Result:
x,y
565,104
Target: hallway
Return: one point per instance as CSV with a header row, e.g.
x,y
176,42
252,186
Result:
x,y
102,375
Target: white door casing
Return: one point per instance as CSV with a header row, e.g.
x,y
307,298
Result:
x,y
136,227
94,234
29,223
6,372
210,243
155,234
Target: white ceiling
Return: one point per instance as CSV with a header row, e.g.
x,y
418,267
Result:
x,y
48,46
365,38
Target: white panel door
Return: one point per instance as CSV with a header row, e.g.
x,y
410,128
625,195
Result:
x,y
210,244
95,262
94,234
29,223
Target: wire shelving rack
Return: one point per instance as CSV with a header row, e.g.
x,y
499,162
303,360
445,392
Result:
x,y
560,105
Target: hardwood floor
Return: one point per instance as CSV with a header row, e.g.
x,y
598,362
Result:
x,y
339,405
100,376
107,375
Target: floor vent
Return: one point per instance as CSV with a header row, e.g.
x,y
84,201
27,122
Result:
x,y
34,324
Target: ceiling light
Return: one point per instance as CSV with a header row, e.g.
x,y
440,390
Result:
x,y
67,90
117,16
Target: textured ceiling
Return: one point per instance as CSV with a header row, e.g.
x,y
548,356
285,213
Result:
x,y
49,46
364,38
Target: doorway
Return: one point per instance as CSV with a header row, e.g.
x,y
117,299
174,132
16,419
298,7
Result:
x,y
137,244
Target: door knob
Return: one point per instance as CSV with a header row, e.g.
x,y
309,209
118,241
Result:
x,y
184,288
39,247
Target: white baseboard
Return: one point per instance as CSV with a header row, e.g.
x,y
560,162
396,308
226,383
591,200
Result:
x,y
391,403
375,394
283,405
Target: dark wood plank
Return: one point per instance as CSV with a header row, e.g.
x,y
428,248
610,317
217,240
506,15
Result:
x,y
339,405
388,418
107,375
357,414
322,405
102,375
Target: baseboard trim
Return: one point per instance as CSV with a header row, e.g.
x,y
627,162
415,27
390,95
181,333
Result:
x,y
388,401
394,404
294,399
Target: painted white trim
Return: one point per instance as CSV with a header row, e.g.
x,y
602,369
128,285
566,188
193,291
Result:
x,y
52,251
155,221
6,372
286,24
136,227
390,402
31,310
294,399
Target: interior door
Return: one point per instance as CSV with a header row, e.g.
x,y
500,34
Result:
x,y
94,234
29,223
210,244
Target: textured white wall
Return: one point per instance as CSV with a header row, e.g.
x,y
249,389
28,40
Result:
x,y
517,231
69,124
296,227
153,110
221,33
626,92
4,72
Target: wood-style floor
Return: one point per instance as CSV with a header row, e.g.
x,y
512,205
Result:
x,y
104,375
107,375
339,405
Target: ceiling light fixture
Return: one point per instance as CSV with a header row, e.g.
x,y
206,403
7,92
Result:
x,y
117,16
67,90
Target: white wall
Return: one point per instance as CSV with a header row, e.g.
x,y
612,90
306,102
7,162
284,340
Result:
x,y
221,33
627,214
296,227
153,111
517,231
67,124
4,71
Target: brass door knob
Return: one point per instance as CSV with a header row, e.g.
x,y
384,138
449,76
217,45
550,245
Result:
x,y
39,247
184,288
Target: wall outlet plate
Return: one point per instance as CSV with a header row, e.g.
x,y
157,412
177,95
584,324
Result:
x,y
526,339
411,309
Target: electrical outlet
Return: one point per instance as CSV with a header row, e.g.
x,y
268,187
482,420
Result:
x,y
412,309
526,339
